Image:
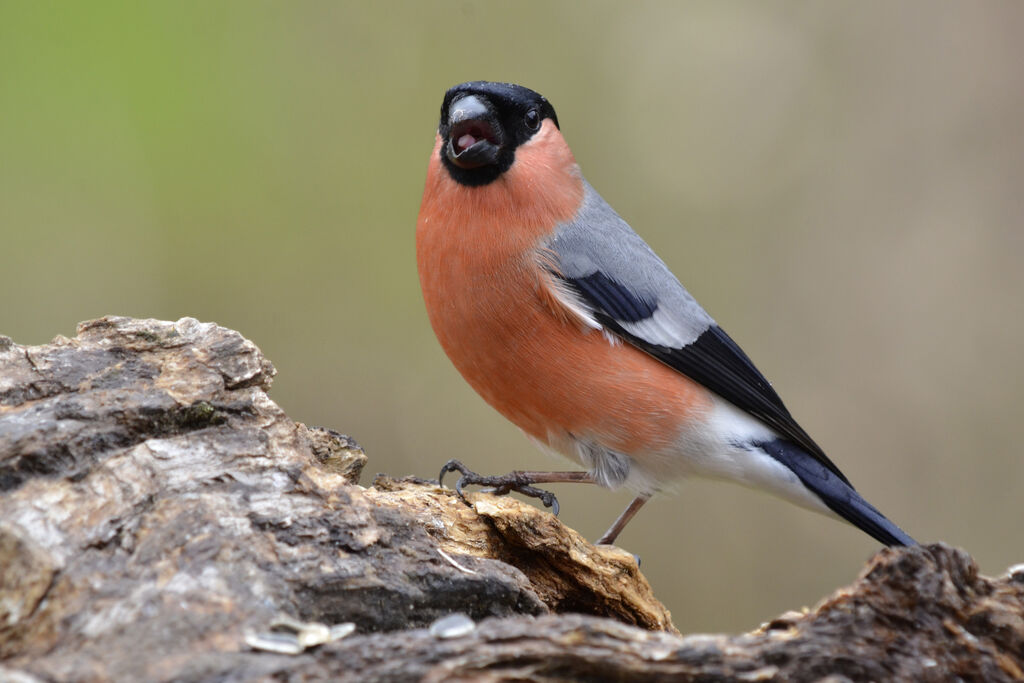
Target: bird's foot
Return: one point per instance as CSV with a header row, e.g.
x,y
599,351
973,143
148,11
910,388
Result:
x,y
521,482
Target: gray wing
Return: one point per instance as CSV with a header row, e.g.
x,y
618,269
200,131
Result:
x,y
631,293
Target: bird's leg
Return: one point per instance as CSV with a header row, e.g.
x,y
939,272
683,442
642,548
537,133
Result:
x,y
619,524
519,481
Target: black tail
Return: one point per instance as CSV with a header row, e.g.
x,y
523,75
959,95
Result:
x,y
839,496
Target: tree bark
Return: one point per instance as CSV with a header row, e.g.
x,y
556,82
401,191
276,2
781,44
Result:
x,y
162,519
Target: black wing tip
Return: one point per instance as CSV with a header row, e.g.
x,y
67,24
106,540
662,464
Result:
x,y
717,362
836,493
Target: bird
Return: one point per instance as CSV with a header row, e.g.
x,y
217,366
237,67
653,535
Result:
x,y
564,320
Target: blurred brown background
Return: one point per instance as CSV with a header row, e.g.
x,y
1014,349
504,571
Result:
x,y
840,184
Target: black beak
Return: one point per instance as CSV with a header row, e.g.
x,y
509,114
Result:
x,y
474,135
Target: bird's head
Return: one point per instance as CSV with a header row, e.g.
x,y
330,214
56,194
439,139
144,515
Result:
x,y
482,125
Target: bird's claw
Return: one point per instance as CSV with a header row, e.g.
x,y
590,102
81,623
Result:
x,y
454,465
499,485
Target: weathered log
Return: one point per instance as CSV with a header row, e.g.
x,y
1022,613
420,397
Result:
x,y
159,515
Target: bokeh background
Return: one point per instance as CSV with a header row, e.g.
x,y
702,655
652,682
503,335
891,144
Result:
x,y
841,184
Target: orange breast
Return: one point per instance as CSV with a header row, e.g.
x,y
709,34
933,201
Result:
x,y
486,299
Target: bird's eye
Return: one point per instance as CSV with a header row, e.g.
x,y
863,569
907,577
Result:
x,y
532,119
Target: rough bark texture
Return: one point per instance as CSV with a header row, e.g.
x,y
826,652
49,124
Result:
x,y
158,513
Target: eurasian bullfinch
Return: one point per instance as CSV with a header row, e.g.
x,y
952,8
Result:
x,y
566,322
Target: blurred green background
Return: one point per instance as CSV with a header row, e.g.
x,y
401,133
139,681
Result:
x,y
841,185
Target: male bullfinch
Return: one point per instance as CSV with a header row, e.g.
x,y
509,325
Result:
x,y
566,322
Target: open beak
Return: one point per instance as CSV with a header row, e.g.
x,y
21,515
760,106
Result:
x,y
475,136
